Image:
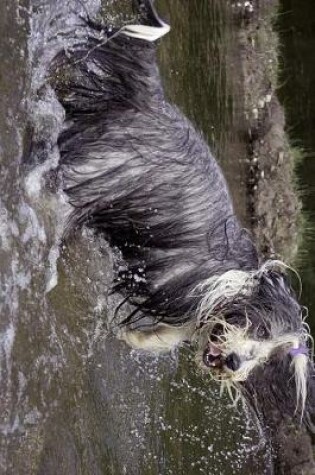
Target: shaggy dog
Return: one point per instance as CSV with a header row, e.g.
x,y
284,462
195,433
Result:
x,y
136,170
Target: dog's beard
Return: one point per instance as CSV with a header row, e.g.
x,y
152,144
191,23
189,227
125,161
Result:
x,y
247,319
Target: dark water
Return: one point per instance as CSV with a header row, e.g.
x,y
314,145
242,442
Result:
x,y
201,67
297,26
74,400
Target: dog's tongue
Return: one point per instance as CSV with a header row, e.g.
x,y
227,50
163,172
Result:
x,y
213,349
213,356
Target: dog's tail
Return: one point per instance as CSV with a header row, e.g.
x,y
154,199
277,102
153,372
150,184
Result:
x,y
151,27
114,69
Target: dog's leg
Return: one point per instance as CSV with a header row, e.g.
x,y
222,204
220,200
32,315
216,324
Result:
x,y
161,339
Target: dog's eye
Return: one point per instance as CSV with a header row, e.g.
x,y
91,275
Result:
x,y
232,361
262,332
235,318
216,332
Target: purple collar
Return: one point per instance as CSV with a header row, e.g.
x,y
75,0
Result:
x,y
301,350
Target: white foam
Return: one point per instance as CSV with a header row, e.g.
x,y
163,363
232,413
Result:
x,y
6,345
52,278
4,229
33,228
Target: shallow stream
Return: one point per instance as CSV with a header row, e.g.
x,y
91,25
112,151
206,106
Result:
x,y
74,400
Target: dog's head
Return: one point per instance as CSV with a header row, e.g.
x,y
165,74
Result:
x,y
251,320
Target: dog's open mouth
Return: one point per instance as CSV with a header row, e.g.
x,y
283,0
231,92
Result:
x,y
214,356
214,359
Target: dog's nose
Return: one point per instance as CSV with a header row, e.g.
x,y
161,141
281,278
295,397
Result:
x,y
232,361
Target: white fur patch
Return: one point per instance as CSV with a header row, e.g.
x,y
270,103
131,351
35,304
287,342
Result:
x,y
161,339
218,289
144,32
300,368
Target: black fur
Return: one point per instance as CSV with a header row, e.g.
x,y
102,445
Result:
x,y
155,190
272,307
136,170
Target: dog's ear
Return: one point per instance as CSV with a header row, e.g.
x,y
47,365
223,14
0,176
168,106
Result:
x,y
270,394
271,391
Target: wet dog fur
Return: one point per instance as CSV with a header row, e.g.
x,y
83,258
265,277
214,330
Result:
x,y
136,170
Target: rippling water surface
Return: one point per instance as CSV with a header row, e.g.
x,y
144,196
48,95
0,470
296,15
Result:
x,y
297,28
74,399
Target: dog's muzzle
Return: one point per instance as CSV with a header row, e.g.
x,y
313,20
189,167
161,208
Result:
x,y
214,359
